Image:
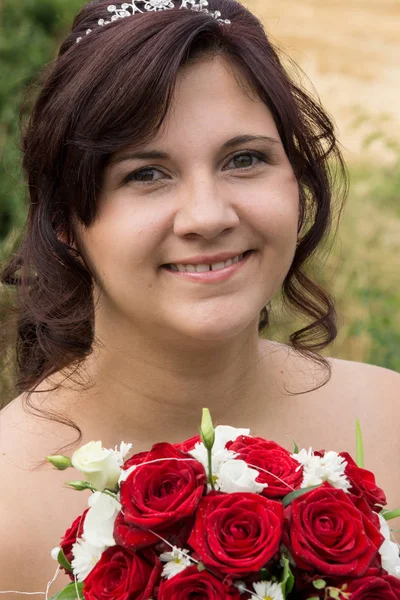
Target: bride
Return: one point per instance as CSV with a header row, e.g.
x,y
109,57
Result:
x,y
178,180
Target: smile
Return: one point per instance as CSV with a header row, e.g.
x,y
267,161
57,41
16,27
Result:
x,y
210,272
204,268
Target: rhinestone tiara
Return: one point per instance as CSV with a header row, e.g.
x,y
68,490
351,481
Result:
x,y
128,9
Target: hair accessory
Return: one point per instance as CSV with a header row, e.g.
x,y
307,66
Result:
x,y
128,9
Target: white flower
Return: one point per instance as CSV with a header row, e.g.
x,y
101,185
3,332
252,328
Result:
x,y
98,527
176,562
237,476
267,591
225,434
220,455
122,453
316,469
389,550
100,466
85,559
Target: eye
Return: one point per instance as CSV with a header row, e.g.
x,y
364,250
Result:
x,y
146,175
246,160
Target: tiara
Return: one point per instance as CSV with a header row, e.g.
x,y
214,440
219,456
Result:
x,y
128,9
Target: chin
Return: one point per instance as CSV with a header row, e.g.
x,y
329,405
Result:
x,y
218,329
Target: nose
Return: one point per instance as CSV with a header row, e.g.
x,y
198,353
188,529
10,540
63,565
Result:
x,y
205,210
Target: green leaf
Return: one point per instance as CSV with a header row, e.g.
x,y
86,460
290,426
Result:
x,y
334,593
313,598
297,493
391,514
359,446
287,582
319,584
63,561
69,593
296,448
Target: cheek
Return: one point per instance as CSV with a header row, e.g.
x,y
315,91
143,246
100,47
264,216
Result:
x,y
274,212
122,240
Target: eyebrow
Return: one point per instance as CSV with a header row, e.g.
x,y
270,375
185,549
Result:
x,y
158,154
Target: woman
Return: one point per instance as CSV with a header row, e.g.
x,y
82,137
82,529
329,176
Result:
x,y
178,180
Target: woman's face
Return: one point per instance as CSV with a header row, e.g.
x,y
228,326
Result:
x,y
214,184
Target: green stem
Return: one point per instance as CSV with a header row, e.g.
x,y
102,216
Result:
x,y
210,473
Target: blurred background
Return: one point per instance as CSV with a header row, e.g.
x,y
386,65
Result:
x,y
349,51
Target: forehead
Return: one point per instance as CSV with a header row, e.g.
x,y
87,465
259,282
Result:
x,y
212,101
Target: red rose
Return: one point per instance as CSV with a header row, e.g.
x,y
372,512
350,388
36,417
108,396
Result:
x,y
191,583
364,484
120,574
189,444
285,473
136,459
70,537
236,533
158,495
326,533
375,588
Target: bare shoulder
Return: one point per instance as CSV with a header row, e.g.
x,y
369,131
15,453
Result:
x,y
325,416
368,373
373,389
31,521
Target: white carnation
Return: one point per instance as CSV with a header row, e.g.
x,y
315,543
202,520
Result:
x,y
98,527
122,453
86,556
389,550
176,562
317,469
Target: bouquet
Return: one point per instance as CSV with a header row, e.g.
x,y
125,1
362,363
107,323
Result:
x,y
227,516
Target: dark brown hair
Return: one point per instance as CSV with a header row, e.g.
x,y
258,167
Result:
x,y
111,90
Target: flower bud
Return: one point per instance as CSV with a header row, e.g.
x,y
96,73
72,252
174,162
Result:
x,y
60,462
207,433
55,552
80,485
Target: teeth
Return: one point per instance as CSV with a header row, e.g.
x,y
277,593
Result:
x,y
204,268
217,266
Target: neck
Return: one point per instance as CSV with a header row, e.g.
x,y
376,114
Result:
x,y
147,392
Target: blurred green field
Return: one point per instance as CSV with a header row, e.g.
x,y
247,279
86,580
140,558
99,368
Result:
x,y
362,270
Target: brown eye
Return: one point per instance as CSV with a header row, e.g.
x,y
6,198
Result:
x,y
246,160
147,175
